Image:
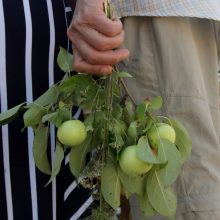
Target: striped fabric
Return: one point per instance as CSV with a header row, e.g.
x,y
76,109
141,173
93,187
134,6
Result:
x,y
30,35
187,8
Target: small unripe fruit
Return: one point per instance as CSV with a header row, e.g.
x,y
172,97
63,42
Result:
x,y
72,132
131,164
161,130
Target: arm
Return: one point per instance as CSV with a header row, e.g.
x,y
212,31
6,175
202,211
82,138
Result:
x,y
95,38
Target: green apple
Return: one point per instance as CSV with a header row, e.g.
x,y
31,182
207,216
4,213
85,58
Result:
x,y
158,131
131,164
72,132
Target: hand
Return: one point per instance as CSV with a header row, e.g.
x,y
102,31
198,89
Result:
x,y
95,38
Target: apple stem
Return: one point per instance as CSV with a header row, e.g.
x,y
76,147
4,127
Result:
x,y
125,87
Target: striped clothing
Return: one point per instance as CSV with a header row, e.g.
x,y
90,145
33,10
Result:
x,y
30,35
187,8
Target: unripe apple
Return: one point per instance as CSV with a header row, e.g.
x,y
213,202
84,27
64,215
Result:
x,y
71,132
131,164
158,131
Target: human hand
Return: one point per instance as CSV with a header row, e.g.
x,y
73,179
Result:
x,y
95,38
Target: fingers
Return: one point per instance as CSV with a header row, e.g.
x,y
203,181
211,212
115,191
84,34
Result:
x,y
95,18
96,39
82,66
106,26
93,56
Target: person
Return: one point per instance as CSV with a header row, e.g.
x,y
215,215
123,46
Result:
x,y
30,36
174,49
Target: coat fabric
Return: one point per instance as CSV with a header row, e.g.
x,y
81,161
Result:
x,y
177,58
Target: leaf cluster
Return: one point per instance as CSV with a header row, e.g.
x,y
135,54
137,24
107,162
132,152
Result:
x,y
113,122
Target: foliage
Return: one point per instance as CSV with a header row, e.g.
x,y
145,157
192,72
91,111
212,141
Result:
x,y
113,121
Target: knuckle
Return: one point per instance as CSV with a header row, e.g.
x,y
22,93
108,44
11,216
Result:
x,y
75,25
120,39
112,32
72,33
115,29
70,30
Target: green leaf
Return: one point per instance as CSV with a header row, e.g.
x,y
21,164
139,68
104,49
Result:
x,y
149,123
146,206
33,115
140,112
156,103
132,133
65,60
101,97
77,158
81,81
128,112
163,200
40,150
144,151
86,99
183,140
59,155
86,91
132,184
110,185
116,111
115,88
117,142
53,117
123,75
99,118
64,113
98,136
88,122
49,97
161,152
10,115
95,122
170,172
